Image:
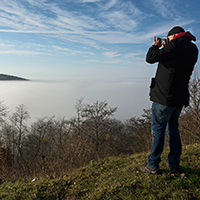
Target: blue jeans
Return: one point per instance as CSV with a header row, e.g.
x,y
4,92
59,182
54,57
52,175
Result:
x,y
163,116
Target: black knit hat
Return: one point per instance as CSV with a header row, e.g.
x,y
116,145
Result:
x,y
176,29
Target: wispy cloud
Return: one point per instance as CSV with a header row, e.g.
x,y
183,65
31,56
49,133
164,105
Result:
x,y
90,1
73,52
19,18
111,22
23,52
111,54
92,61
110,4
135,56
27,49
118,61
166,9
16,16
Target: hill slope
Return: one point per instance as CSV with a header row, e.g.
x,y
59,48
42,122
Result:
x,y
115,179
4,77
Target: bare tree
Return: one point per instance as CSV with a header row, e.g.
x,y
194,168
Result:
x,y
190,118
3,115
139,130
3,112
19,128
96,121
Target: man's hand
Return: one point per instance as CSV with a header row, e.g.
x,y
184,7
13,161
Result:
x,y
157,41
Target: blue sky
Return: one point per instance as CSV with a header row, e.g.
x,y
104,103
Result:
x,y
87,38
97,47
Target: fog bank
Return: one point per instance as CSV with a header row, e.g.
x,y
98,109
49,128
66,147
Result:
x,y
48,97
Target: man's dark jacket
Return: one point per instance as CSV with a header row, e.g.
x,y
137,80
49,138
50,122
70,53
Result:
x,y
176,63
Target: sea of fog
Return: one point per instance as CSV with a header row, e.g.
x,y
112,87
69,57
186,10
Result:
x,y
46,98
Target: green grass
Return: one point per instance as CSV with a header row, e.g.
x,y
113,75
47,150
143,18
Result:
x,y
115,179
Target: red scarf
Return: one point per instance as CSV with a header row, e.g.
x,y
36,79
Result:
x,y
185,34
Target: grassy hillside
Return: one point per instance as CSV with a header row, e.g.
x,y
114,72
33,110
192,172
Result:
x,y
115,179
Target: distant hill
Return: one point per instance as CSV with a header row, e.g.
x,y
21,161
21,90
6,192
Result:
x,y
4,77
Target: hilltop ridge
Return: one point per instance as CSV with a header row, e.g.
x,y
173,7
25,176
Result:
x,y
116,178
5,77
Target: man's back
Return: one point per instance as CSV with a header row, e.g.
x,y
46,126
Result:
x,y
176,63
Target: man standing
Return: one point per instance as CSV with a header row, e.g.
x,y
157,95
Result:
x,y
169,93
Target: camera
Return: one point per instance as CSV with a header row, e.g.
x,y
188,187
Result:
x,y
164,41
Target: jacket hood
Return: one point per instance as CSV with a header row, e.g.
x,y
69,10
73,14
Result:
x,y
185,34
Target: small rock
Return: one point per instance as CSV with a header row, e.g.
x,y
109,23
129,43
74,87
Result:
x,y
182,175
35,179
